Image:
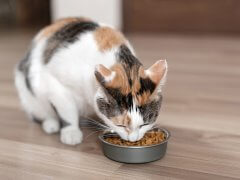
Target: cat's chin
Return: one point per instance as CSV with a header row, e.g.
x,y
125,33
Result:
x,y
131,137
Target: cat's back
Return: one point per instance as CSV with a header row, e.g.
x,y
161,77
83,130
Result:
x,y
69,50
73,47
78,40
65,54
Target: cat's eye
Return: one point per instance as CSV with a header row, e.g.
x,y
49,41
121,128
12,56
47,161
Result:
x,y
144,125
119,125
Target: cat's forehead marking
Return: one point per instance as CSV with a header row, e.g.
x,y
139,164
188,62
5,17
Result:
x,y
120,81
124,81
107,38
131,77
142,92
51,29
141,88
130,82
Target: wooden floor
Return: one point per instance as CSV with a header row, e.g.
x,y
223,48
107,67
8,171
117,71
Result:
x,y
201,109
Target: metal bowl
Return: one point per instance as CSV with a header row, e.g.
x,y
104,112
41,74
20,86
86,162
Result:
x,y
134,154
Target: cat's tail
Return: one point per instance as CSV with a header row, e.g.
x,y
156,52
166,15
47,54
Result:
x,y
29,101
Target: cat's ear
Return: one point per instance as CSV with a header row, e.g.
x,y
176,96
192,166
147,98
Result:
x,y
103,74
158,72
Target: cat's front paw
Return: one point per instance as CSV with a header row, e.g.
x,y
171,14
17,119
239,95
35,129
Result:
x,y
51,126
71,135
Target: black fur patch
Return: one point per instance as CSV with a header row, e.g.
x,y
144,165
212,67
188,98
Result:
x,y
65,36
128,60
146,85
116,102
63,123
123,101
24,66
126,57
150,110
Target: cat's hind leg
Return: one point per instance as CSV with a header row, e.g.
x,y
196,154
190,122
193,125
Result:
x,y
51,125
37,109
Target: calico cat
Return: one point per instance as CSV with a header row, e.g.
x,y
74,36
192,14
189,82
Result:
x,y
77,67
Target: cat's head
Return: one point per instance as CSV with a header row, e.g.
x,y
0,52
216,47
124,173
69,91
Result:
x,y
129,97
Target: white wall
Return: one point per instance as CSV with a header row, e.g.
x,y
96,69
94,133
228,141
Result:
x,y
106,11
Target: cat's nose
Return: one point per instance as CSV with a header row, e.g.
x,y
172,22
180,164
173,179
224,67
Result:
x,y
133,136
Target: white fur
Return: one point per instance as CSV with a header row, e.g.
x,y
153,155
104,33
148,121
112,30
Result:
x,y
68,82
114,128
137,132
135,116
136,121
51,126
71,135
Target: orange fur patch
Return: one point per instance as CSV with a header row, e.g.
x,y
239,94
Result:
x,y
117,120
143,98
107,38
120,80
127,120
51,29
135,77
104,71
123,120
141,72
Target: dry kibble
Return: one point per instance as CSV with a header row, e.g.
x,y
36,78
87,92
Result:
x,y
150,138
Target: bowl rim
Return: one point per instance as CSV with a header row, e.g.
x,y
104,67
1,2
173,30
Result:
x,y
168,135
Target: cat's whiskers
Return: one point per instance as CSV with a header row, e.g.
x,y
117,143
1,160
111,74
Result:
x,y
91,134
92,124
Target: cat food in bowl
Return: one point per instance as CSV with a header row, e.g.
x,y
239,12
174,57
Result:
x,y
150,138
151,147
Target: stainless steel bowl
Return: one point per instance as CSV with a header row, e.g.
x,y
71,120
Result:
x,y
134,154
